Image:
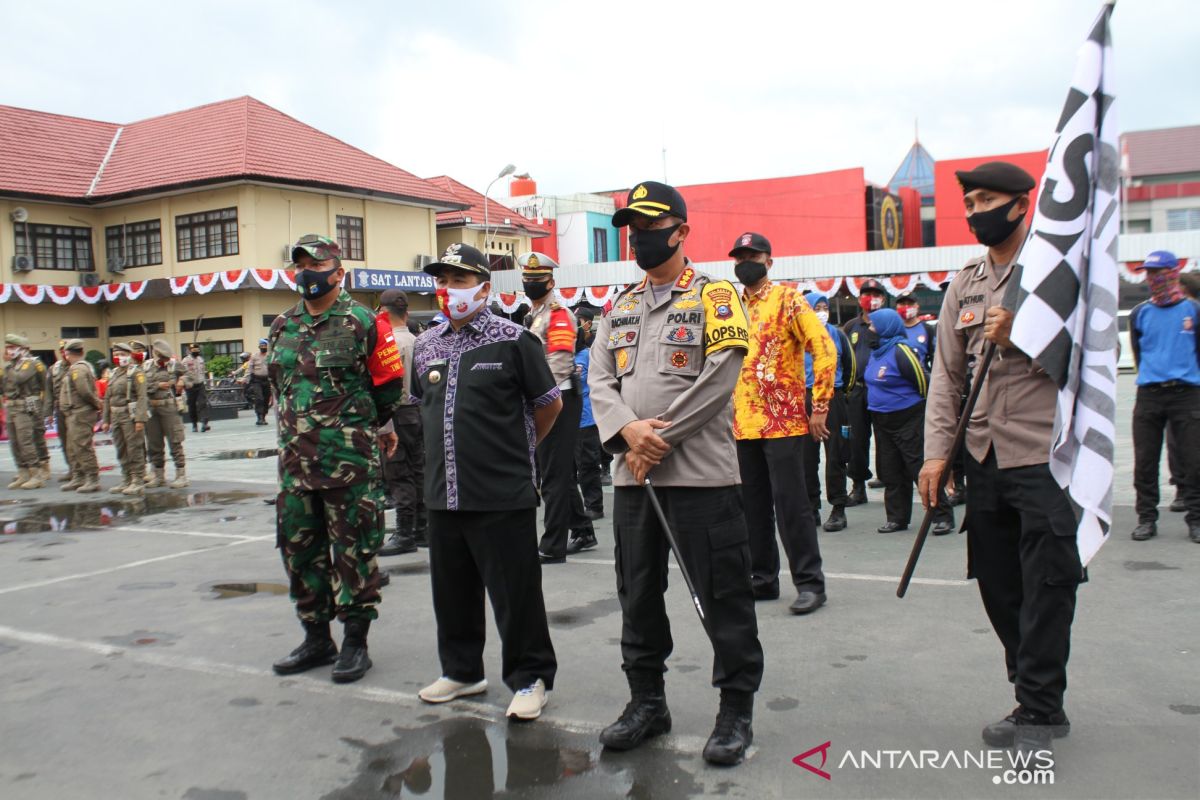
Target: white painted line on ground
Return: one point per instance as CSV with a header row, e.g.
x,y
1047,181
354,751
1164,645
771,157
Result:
x,y
845,576
202,534
374,694
130,565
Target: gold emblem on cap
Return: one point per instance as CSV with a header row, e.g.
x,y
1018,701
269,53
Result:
x,y
640,192
532,261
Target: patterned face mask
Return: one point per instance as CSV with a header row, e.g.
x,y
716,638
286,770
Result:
x,y
1165,289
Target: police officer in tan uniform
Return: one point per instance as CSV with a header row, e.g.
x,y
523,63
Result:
x,y
126,412
25,400
554,325
58,371
258,384
663,369
1020,526
79,406
165,378
196,384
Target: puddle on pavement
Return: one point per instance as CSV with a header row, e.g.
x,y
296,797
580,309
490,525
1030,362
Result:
x,y
1146,566
261,452
472,758
225,591
577,616
101,512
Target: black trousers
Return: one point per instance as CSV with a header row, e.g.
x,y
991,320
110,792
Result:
x,y
773,492
556,471
197,400
899,454
1156,410
258,392
858,449
470,551
403,473
1022,552
710,529
835,458
588,468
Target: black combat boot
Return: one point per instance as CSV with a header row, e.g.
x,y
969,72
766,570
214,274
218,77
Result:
x,y
421,529
837,520
645,716
858,494
1003,733
401,541
732,734
317,650
353,662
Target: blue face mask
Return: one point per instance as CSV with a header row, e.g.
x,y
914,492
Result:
x,y
313,284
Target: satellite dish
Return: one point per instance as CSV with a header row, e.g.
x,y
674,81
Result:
x,y
19,215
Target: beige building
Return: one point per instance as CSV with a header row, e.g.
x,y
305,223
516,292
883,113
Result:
x,y
501,233
220,189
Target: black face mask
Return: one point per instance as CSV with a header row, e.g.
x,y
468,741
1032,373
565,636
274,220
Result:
x,y
313,284
650,247
262,349
536,290
749,272
993,226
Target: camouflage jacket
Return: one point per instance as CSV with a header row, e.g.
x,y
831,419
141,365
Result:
x,y
25,386
329,406
126,394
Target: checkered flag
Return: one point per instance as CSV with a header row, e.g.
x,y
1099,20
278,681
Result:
x,y
1066,303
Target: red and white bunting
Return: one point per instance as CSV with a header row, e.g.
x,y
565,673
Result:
x,y
288,278
5,292
112,291
509,302
30,293
600,295
571,296
234,278
134,289
203,284
60,295
180,285
88,294
266,278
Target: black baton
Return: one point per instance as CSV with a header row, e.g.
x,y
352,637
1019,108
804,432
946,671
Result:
x,y
687,579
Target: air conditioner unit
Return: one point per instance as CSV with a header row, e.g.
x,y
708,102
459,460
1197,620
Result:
x,y
89,279
22,264
18,215
420,262
116,265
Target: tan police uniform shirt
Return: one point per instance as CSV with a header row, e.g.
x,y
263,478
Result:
x,y
195,375
404,345
257,366
1015,412
675,358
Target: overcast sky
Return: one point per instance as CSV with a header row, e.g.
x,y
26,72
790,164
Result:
x,y
585,96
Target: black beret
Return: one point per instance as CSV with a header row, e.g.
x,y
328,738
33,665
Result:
x,y
999,176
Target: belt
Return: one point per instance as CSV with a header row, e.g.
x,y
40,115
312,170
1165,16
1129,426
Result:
x,y
163,402
1163,385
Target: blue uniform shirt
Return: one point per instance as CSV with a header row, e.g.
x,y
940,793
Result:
x,y
1164,342
842,345
896,380
582,360
920,338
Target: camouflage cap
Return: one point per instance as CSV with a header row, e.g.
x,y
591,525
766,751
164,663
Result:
x,y
122,347
17,339
321,248
162,348
73,345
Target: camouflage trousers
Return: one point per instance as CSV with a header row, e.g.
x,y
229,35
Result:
x,y
76,432
348,520
27,437
165,424
131,445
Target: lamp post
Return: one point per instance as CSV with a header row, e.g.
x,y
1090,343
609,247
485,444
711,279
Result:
x,y
509,169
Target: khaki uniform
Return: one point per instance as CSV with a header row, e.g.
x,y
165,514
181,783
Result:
x,y
58,371
195,382
25,394
258,386
80,407
125,404
164,423
677,357
1015,413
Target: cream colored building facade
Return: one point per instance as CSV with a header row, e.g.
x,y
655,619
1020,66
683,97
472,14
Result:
x,y
269,218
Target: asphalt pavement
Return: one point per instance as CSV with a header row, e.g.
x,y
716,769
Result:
x,y
136,637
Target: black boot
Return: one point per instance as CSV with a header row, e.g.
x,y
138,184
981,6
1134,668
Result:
x,y
353,662
421,530
733,733
1002,733
858,496
317,650
401,541
960,494
837,520
645,716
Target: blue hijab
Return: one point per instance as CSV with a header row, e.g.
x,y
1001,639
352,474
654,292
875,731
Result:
x,y
815,297
890,329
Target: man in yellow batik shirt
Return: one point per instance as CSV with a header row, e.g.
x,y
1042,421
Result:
x,y
770,423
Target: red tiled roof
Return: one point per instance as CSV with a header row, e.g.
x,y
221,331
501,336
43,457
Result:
x,y
496,212
1166,151
233,139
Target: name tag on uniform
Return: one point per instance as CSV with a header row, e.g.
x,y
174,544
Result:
x,y
487,365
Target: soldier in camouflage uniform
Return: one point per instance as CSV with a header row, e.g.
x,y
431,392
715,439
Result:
x,y
25,388
58,371
165,379
79,405
126,412
332,397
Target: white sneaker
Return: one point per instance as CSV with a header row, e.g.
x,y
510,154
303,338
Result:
x,y
443,690
528,702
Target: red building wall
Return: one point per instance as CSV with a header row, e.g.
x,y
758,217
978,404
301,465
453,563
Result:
x,y
800,215
547,244
951,218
